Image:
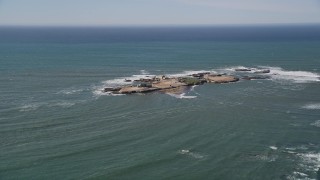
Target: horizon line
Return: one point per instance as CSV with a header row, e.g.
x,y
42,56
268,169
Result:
x,y
159,25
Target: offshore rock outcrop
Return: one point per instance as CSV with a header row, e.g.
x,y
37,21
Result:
x,y
177,85
171,84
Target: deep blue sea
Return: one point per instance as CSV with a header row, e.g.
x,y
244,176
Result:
x,y
56,123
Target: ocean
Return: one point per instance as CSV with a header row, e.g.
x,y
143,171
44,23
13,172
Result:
x,y
56,123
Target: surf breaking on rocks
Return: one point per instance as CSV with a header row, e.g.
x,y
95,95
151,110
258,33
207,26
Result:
x,y
176,85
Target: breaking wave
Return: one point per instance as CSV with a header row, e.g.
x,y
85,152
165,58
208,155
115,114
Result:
x,y
122,81
62,104
181,96
99,92
316,123
191,154
310,161
69,91
312,106
29,107
144,72
278,73
307,162
36,106
186,73
273,147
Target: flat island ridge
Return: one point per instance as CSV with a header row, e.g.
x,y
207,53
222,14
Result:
x,y
177,85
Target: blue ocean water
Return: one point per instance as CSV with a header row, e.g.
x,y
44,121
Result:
x,y
56,123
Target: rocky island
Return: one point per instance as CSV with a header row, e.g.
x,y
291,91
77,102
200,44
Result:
x,y
178,85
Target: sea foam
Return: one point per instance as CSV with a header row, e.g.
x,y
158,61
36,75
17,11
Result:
x,y
29,107
121,81
311,161
312,106
316,123
280,74
69,91
273,147
191,154
277,73
188,73
36,106
181,96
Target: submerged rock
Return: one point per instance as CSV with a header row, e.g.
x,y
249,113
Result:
x,y
254,77
242,69
262,71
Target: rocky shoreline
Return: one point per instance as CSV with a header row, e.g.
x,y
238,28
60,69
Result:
x,y
178,85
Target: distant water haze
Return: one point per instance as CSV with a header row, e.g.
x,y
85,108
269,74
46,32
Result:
x,y
161,33
57,123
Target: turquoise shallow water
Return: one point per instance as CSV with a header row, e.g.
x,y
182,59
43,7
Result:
x,y
57,124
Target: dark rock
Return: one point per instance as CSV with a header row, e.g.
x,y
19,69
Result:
x,y
108,89
242,69
132,89
254,77
200,75
146,80
145,85
262,71
127,80
202,81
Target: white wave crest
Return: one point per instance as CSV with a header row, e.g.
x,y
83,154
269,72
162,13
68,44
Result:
x,y
233,68
273,147
99,92
69,91
188,73
278,73
35,106
181,96
311,161
191,154
29,107
194,86
144,72
122,81
125,80
312,106
62,104
267,158
298,176
316,123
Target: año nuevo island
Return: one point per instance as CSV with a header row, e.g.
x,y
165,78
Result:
x,y
177,85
